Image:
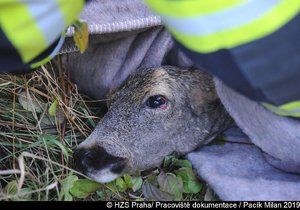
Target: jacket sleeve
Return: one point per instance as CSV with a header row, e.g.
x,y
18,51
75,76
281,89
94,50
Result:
x,y
32,32
252,46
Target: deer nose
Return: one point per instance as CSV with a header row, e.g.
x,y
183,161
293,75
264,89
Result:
x,y
96,158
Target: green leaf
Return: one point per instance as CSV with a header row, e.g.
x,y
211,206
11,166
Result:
x,y
87,115
121,184
68,197
24,194
84,187
152,178
66,186
168,161
53,107
11,187
137,183
189,179
183,163
52,140
151,192
171,184
171,161
128,181
81,35
100,193
112,186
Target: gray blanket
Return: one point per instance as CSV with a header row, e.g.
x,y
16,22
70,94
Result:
x,y
125,36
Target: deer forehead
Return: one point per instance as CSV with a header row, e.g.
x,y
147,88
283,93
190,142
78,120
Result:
x,y
161,83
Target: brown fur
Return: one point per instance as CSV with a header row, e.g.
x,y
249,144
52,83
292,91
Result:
x,y
145,136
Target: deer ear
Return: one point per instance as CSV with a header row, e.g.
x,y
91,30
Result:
x,y
201,102
202,96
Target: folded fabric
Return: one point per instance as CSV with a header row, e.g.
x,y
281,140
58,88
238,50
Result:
x,y
263,166
240,172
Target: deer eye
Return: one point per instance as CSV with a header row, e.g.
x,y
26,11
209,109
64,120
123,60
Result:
x,y
157,101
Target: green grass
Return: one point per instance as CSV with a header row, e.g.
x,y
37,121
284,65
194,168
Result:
x,y
43,118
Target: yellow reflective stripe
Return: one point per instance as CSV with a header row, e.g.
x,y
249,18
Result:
x,y
70,9
291,106
230,38
291,109
187,8
21,29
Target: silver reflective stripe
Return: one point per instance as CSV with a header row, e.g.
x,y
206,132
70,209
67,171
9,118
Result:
x,y
48,18
57,48
222,20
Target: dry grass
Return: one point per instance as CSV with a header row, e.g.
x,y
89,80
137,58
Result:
x,y
35,147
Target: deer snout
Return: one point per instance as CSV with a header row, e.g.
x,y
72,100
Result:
x,y
96,163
